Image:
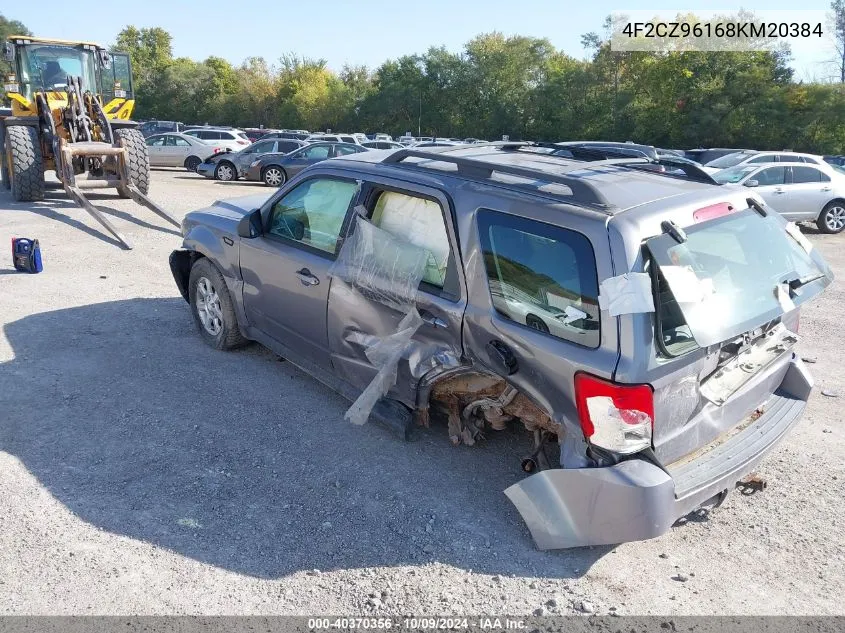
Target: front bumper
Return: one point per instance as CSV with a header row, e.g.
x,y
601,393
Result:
x,y
636,499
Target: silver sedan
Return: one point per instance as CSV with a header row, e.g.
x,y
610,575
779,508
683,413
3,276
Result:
x,y
178,150
798,191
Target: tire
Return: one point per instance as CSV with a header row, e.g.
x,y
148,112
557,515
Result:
x,y
137,158
212,307
536,323
832,218
24,163
273,176
225,171
191,163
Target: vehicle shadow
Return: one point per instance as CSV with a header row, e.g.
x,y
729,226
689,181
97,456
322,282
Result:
x,y
242,461
55,202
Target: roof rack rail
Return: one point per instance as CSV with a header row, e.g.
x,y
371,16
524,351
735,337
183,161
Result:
x,y
583,191
622,157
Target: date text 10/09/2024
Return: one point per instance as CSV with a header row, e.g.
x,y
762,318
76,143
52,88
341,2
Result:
x,y
770,30
417,624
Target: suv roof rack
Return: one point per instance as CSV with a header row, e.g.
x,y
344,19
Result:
x,y
472,168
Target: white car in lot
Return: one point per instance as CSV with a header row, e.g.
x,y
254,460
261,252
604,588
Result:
x,y
751,157
800,192
231,139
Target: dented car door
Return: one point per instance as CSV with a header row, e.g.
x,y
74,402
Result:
x,y
397,220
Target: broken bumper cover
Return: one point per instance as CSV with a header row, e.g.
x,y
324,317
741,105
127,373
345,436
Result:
x,y
636,499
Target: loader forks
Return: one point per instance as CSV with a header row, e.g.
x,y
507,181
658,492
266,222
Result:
x,y
86,152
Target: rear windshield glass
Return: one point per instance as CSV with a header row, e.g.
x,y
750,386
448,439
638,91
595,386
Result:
x,y
730,276
728,161
541,276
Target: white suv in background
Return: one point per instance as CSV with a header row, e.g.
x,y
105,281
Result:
x,y
334,138
234,140
750,157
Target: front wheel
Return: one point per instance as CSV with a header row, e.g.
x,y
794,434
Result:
x,y
137,159
212,307
225,171
24,163
274,176
832,218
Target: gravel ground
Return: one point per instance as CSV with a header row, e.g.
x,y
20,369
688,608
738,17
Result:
x,y
144,473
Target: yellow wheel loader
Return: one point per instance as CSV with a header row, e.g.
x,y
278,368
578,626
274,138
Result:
x,y
71,113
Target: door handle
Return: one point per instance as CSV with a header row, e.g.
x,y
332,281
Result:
x,y
306,278
434,321
779,190
825,188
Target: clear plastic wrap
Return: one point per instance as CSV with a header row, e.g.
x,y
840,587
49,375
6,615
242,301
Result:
x,y
380,266
388,270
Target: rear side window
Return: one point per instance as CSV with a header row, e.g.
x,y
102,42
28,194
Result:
x,y
420,222
807,174
541,276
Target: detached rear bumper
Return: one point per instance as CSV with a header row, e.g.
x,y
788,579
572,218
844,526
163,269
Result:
x,y
206,169
637,500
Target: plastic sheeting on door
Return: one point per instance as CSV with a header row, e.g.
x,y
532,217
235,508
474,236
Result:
x,y
388,270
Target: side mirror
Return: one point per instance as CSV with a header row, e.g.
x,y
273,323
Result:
x,y
250,226
9,52
751,183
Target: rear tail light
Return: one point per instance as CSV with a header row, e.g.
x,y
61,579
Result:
x,y
615,417
242,142
217,150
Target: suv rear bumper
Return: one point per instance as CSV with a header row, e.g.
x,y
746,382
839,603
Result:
x,y
636,499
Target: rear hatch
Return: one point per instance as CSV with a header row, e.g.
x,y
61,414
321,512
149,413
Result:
x,y
727,294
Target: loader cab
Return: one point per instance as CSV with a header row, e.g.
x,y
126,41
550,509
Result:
x,y
42,65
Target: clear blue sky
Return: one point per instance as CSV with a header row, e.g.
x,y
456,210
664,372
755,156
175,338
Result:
x,y
363,31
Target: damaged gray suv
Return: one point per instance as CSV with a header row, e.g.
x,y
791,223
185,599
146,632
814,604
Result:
x,y
641,326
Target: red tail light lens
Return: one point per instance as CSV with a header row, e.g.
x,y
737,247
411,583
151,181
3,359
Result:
x,y
713,211
613,416
242,142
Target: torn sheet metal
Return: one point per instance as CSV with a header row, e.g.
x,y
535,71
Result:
x,y
752,359
686,285
796,234
626,294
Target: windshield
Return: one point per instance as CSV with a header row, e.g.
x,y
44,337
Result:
x,y
727,277
734,174
47,67
728,160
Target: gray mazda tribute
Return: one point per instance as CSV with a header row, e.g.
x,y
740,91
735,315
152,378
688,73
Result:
x,y
639,324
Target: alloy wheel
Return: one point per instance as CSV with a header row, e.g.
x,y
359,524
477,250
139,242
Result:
x,y
834,219
207,303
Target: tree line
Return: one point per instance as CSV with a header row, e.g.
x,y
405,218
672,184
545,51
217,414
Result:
x,y
518,86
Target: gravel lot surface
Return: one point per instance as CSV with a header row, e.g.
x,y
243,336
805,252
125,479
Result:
x,y
143,473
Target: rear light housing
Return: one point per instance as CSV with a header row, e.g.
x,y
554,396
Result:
x,y
615,417
713,211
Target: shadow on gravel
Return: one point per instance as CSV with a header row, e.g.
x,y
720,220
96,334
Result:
x,y
56,203
242,461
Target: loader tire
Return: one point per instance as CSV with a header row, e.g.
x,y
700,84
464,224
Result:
x,y
24,163
137,158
